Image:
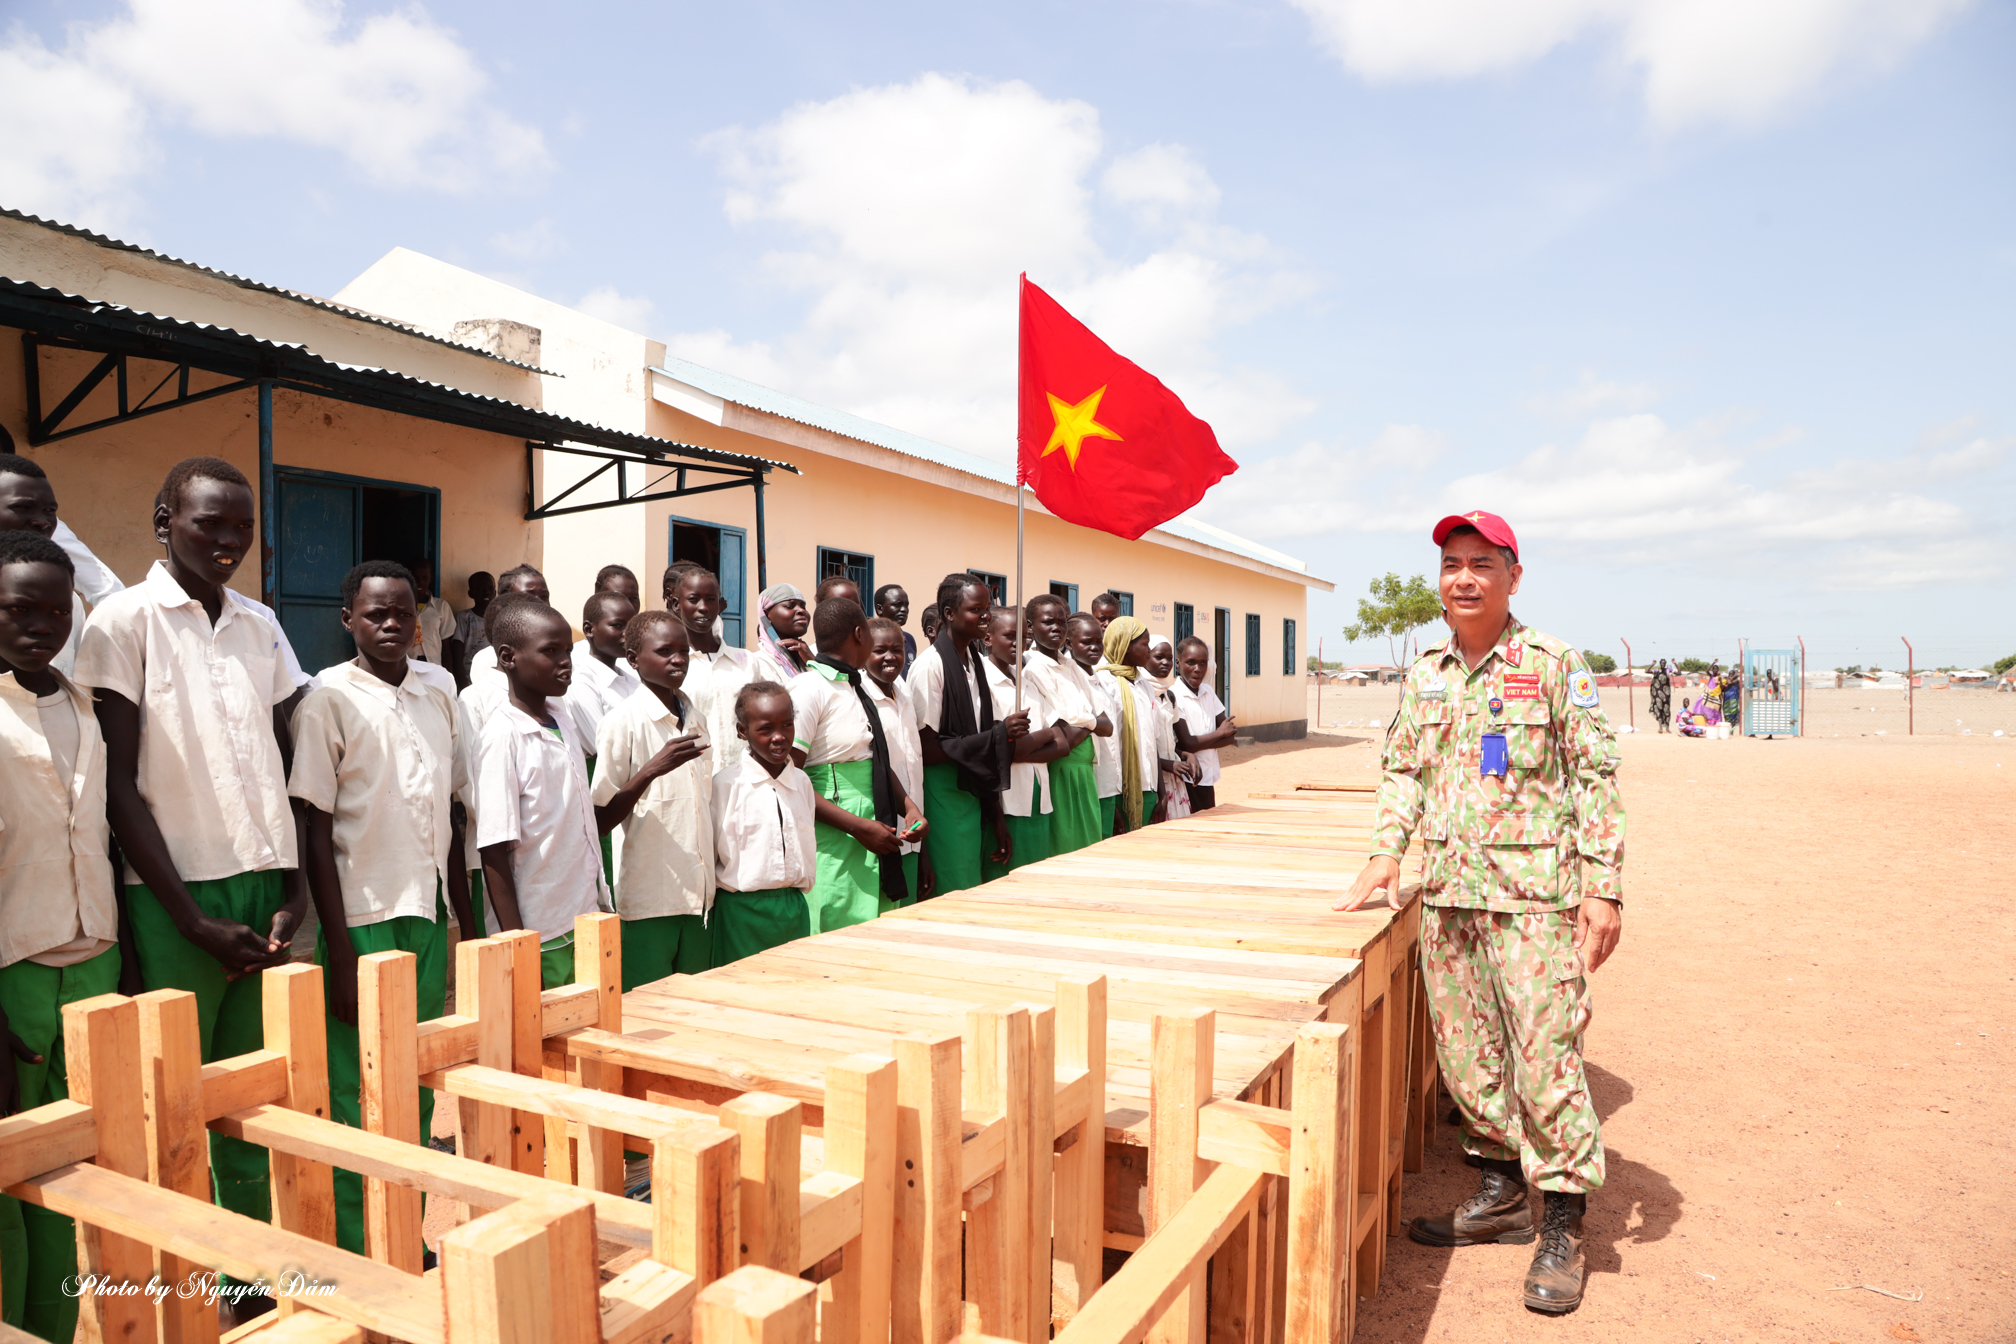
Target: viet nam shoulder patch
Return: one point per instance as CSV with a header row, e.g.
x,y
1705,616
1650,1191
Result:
x,y
1581,689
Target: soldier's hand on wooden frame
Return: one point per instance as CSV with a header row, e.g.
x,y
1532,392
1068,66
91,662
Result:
x,y
1381,875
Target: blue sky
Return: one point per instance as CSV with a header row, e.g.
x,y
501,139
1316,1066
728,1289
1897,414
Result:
x,y
1715,301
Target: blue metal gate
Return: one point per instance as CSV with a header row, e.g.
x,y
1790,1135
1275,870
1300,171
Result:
x,y
1771,687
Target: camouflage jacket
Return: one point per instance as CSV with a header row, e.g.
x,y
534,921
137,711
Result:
x,y
1539,837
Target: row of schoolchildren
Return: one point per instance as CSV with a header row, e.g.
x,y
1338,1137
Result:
x,y
759,797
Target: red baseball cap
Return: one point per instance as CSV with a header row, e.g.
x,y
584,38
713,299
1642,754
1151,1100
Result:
x,y
1493,528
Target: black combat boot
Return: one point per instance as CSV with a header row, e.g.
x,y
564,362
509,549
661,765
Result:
x,y
1554,1280
1496,1213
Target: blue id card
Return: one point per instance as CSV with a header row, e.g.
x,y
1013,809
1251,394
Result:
x,y
1493,761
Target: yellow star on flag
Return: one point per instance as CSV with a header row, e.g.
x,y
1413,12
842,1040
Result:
x,y
1075,424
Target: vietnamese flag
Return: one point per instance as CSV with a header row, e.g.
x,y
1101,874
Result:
x,y
1103,443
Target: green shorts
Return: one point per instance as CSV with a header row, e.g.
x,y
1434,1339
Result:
x,y
744,923
663,945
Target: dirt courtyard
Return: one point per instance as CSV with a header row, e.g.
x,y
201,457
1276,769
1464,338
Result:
x,y
1802,1051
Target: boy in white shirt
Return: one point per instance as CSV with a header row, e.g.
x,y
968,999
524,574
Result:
x,y
862,812
59,920
1074,786
765,854
28,502
715,672
1026,803
1082,639
436,625
652,779
888,655
603,679
535,825
1203,724
192,697
378,759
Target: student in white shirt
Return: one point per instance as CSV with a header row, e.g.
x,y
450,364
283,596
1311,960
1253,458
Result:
x,y
1067,695
1026,804
1203,724
28,502
517,579
862,811
603,679
378,760
653,780
967,750
192,697
468,638
888,655
436,623
1159,676
535,825
59,920
765,855
1141,763
715,672
1083,639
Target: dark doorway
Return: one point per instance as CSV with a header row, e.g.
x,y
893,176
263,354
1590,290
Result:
x,y
328,522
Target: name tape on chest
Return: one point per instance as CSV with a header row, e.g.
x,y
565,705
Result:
x,y
1522,685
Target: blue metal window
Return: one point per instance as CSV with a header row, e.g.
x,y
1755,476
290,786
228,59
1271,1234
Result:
x,y
996,583
860,569
1288,647
1066,591
1126,601
1186,621
328,522
1252,643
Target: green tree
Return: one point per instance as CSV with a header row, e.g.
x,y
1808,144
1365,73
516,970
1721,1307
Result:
x,y
1397,609
1602,664
2004,664
1693,665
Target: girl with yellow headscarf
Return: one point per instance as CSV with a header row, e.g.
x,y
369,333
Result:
x,y
1126,650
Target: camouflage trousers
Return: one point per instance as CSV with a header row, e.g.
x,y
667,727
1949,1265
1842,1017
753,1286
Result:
x,y
1508,1004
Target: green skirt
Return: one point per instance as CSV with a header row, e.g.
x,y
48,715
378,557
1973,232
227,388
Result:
x,y
1028,837
747,922
38,1248
955,841
1109,810
1075,822
848,888
663,945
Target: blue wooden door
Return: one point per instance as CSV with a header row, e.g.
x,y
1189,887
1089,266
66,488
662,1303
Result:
x,y
318,525
734,582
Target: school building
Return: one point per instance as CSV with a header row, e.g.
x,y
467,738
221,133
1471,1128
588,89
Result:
x,y
428,411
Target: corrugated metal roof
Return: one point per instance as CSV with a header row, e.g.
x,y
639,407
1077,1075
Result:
x,y
742,392
38,307
101,240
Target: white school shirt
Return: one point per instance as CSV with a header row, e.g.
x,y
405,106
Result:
x,y
56,901
926,683
532,794
385,762
598,688
906,750
1061,682
1148,727
712,680
668,838
435,626
93,582
1199,711
280,642
766,668
1018,799
209,768
1106,693
828,723
763,827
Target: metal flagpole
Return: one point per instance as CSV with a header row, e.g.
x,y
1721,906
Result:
x,y
1021,494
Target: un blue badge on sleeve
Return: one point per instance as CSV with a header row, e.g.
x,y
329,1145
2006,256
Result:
x,y
1582,689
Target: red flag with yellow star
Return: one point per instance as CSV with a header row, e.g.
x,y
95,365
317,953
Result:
x,y
1103,443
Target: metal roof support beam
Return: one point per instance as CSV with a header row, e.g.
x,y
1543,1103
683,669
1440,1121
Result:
x,y
643,494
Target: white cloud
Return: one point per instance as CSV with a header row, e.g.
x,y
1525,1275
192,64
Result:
x,y
1320,487
395,94
632,312
1733,61
535,241
905,212
1592,395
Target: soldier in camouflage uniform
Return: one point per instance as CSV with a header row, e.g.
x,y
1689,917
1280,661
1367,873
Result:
x,y
1503,763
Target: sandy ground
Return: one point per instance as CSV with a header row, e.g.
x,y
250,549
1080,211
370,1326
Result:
x,y
1800,1052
